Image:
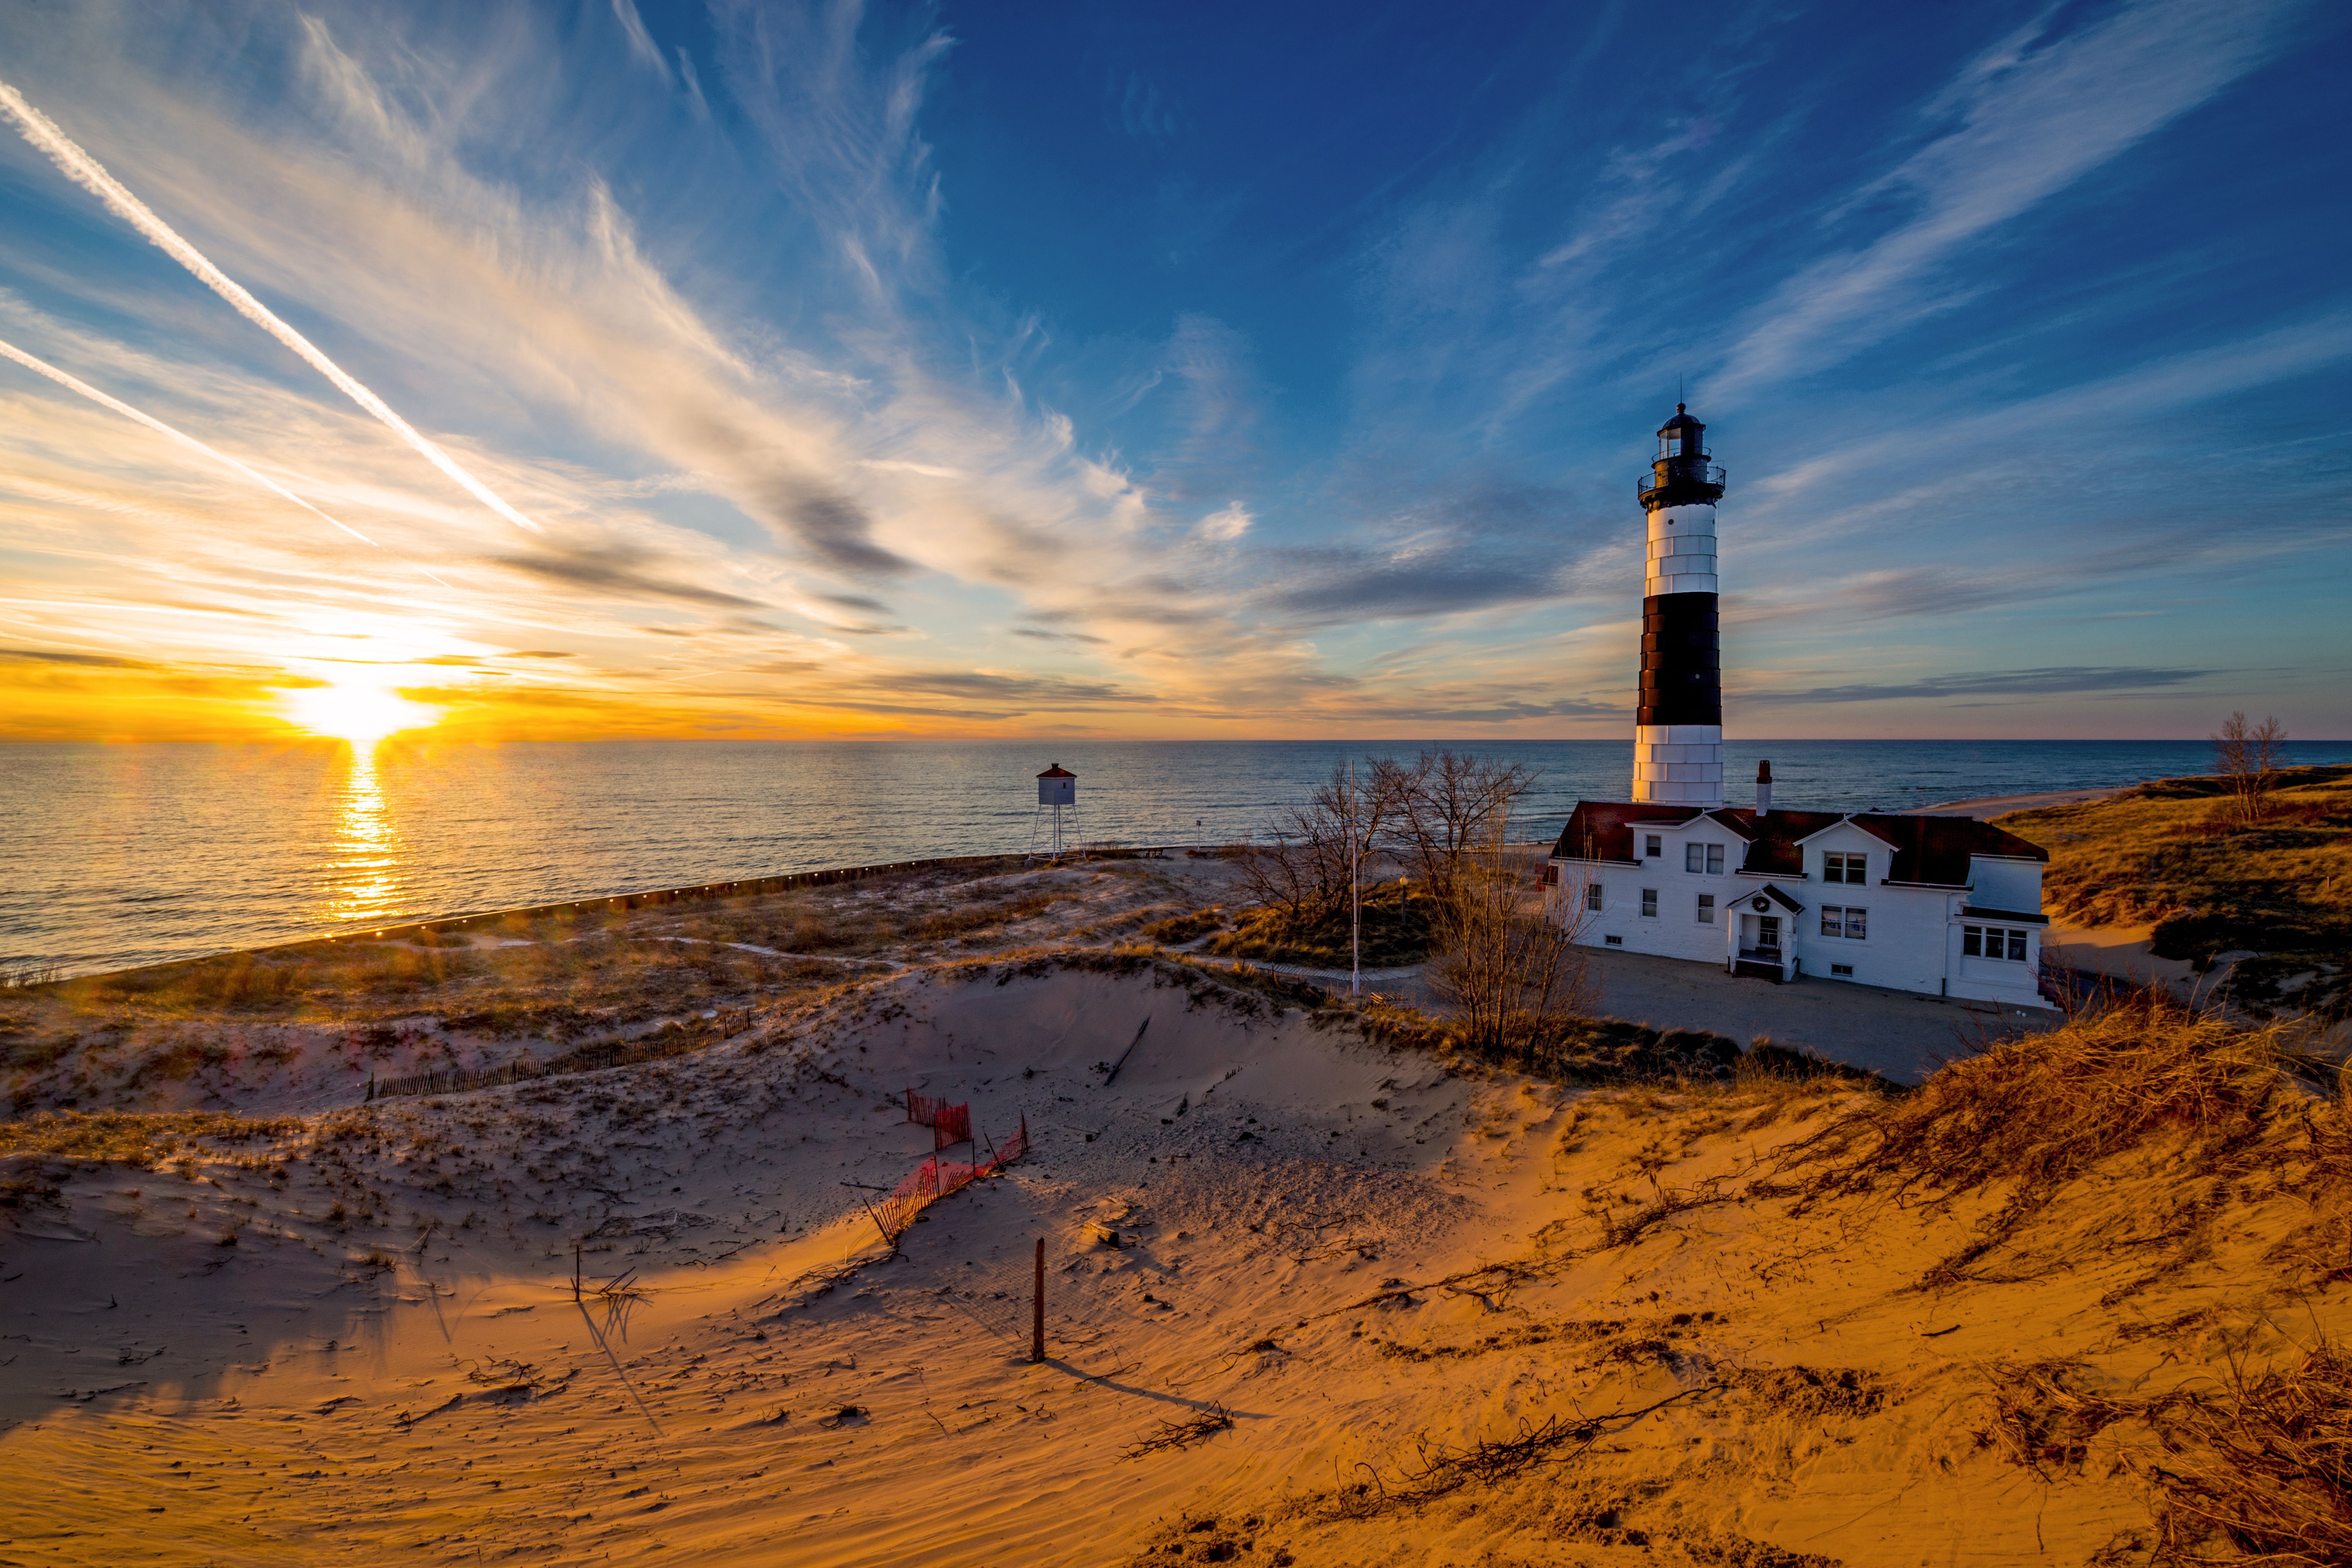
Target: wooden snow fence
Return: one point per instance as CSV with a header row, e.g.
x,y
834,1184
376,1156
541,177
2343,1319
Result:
x,y
936,1178
950,1124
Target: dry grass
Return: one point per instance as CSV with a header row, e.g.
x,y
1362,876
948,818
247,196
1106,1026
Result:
x,y
2230,1112
132,1138
1396,931
2173,854
2257,1471
2036,1113
1197,1428
579,982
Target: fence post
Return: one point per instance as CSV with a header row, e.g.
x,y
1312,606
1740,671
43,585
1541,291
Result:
x,y
1037,1308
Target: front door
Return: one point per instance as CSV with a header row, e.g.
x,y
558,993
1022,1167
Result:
x,y
1768,933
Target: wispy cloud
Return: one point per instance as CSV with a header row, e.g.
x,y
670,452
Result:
x,y
808,461
74,385
618,570
2064,681
642,48
2035,114
85,171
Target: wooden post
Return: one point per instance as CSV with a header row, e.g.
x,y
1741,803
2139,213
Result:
x,y
1037,1308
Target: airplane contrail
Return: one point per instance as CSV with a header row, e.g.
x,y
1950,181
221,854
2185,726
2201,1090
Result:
x,y
43,368
85,171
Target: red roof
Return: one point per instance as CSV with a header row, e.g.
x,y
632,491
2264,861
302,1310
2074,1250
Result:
x,y
1057,772
1603,830
1929,850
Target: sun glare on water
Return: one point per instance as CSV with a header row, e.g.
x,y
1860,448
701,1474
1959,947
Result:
x,y
358,714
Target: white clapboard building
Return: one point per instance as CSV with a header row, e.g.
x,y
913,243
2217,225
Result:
x,y
1944,905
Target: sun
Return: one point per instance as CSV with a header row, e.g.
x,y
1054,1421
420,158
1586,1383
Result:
x,y
356,713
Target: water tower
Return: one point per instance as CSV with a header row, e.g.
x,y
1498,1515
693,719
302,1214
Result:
x,y
1057,787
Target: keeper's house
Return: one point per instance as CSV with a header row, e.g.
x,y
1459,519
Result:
x,y
1944,905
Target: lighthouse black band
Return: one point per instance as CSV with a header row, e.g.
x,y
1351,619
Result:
x,y
1681,660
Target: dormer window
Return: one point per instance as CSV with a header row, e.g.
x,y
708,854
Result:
x,y
1854,869
1653,847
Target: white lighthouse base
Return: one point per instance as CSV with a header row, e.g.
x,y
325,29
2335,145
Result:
x,y
1678,765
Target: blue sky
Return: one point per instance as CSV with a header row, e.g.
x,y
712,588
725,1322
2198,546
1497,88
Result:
x,y
1199,370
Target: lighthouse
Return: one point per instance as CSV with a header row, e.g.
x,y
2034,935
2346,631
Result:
x,y
1678,729
1943,906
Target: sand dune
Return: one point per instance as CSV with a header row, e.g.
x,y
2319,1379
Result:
x,y
1297,1278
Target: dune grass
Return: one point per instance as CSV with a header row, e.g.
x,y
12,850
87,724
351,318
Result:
x,y
2257,1468
1396,931
2172,854
130,1138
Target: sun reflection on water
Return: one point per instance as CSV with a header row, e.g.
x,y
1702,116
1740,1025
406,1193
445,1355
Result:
x,y
364,872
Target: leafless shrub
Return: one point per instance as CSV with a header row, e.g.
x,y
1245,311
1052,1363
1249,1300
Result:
x,y
1508,967
2248,757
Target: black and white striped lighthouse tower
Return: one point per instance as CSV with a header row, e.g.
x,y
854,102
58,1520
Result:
x,y
1678,732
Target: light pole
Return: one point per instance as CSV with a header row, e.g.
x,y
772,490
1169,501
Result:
x,y
1355,896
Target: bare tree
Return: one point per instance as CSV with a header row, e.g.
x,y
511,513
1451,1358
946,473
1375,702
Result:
x,y
2248,756
1310,867
1443,804
1506,962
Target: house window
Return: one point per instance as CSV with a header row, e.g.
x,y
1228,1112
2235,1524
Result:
x,y
1592,896
1993,942
1852,868
1851,921
1706,909
1844,970
1650,903
1703,857
1614,941
1653,847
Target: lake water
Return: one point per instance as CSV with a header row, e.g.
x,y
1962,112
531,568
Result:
x,y
112,855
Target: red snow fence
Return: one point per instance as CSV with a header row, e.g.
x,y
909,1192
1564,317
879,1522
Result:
x,y
936,1178
950,1124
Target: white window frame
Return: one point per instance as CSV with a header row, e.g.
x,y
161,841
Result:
x,y
2015,940
1848,916
1649,903
1847,867
1706,909
1592,896
1653,846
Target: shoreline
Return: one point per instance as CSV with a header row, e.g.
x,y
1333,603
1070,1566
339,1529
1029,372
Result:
x,y
1986,807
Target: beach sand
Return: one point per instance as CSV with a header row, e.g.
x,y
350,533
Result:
x,y
1295,1276
1987,807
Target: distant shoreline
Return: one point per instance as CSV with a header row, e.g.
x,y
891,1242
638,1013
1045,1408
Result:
x,y
1986,807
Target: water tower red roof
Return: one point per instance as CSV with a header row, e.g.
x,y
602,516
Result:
x,y
1057,772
